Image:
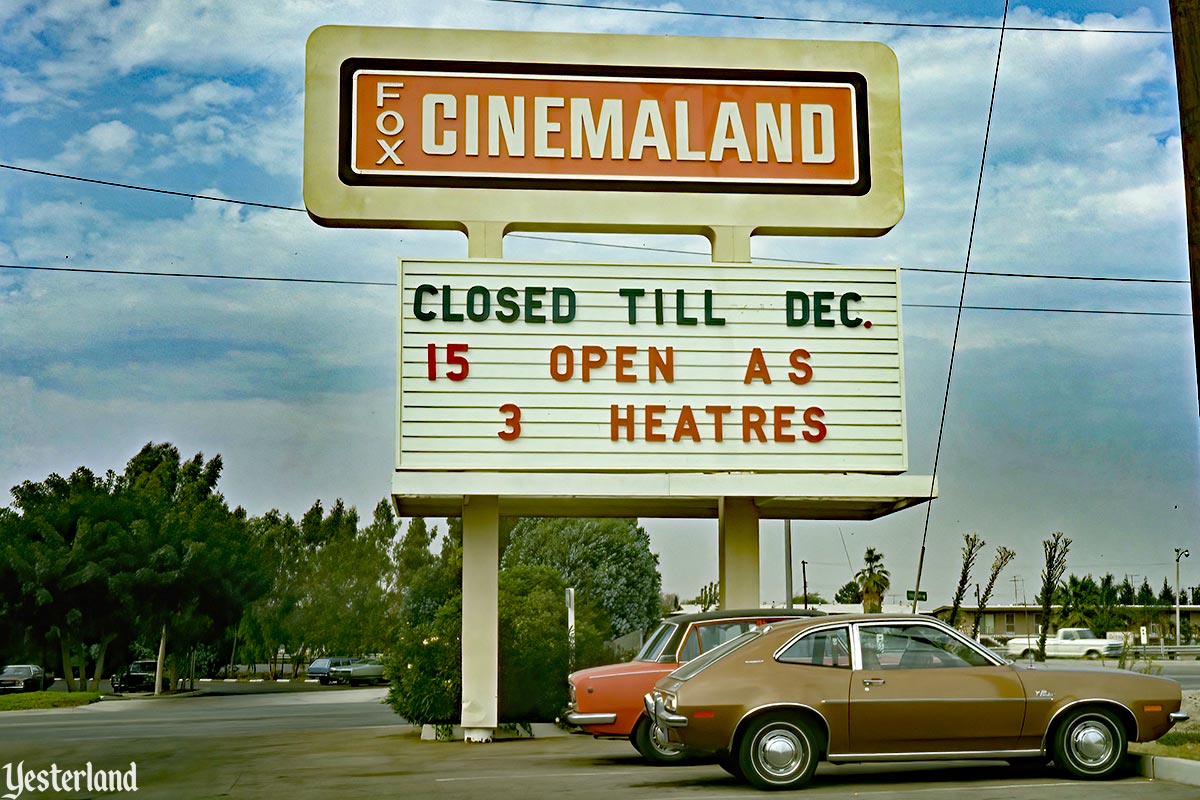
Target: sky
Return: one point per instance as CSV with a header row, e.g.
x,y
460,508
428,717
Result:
x,y
1079,422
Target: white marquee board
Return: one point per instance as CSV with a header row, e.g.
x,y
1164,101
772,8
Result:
x,y
693,368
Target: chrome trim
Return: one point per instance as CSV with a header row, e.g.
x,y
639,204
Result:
x,y
659,670
658,712
946,755
929,622
1106,701
768,706
1179,716
833,623
597,718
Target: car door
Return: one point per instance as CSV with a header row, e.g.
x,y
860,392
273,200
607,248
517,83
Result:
x,y
919,689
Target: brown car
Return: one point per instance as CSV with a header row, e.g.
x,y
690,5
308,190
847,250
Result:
x,y
773,702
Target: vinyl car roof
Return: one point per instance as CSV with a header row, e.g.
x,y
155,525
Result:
x,y
736,613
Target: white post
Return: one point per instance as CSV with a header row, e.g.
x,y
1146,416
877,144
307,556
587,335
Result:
x,y
738,559
571,628
481,618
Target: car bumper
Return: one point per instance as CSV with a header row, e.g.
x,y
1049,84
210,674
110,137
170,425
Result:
x,y
663,718
581,719
1179,716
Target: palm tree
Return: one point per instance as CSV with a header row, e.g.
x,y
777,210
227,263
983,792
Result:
x,y
874,581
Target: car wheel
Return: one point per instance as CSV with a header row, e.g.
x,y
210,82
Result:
x,y
1090,743
779,752
651,749
1092,655
1026,654
323,681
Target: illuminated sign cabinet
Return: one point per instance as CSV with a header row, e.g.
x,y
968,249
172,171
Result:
x,y
559,367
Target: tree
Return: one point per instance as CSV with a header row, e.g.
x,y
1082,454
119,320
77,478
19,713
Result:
x,y
1002,559
709,597
1126,595
1145,595
848,593
66,543
811,599
607,561
1166,596
972,544
873,581
1055,549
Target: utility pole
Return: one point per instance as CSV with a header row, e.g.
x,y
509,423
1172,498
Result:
x,y
1185,29
804,575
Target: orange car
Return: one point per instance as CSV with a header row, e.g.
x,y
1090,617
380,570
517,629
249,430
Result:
x,y
773,702
607,701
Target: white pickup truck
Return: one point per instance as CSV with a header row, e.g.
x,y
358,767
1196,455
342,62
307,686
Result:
x,y
1067,643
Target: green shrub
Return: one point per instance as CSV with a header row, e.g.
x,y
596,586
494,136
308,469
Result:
x,y
425,668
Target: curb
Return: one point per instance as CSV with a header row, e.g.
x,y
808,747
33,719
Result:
x,y
1162,768
539,730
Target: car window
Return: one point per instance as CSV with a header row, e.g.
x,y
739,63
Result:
x,y
652,650
824,648
694,666
915,647
691,646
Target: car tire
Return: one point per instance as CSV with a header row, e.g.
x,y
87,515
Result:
x,y
1026,654
779,752
1092,655
651,750
323,681
1091,744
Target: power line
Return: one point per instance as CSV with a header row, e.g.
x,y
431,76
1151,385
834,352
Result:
x,y
342,282
207,275
962,296
583,242
829,21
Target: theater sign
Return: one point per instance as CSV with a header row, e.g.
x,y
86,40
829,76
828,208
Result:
x,y
509,365
434,128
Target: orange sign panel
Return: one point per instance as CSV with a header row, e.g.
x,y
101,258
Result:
x,y
683,129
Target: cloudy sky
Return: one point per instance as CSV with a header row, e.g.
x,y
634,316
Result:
x,y
1080,422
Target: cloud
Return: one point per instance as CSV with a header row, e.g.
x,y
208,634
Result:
x,y
202,99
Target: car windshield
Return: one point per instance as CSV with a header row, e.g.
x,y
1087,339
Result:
x,y
320,662
694,666
652,650
24,672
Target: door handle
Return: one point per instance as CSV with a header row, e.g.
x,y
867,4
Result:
x,y
869,682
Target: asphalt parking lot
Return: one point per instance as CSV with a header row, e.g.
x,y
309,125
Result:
x,y
345,744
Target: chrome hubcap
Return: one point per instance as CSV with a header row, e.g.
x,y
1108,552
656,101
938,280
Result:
x,y
780,752
1091,743
660,742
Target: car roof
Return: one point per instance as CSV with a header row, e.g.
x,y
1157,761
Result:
x,y
743,613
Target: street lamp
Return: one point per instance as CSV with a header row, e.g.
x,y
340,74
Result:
x,y
1178,555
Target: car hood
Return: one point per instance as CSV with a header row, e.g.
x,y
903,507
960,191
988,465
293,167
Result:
x,y
1076,678
620,670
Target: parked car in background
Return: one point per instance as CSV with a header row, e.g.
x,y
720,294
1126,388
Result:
x,y
138,677
607,701
773,702
320,667
24,678
367,670
1067,643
